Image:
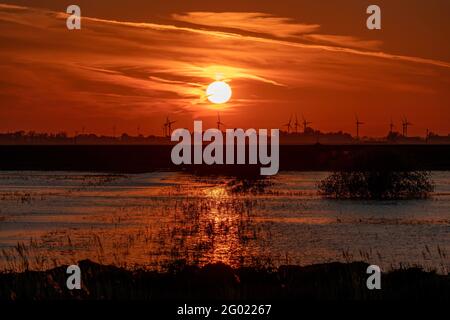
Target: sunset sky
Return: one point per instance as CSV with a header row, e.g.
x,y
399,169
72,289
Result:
x,y
135,62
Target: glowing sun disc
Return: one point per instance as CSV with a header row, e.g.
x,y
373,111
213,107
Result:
x,y
218,92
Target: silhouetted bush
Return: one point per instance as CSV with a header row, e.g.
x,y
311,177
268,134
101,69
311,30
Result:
x,y
377,185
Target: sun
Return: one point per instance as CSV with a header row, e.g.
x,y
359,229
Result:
x,y
219,92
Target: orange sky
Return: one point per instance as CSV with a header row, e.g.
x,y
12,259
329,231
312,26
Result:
x,y
136,62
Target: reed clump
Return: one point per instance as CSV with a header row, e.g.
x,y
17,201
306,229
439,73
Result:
x,y
377,185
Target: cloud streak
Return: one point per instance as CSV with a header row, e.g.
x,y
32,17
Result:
x,y
256,22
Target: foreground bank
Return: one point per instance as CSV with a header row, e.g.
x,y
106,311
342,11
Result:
x,y
332,281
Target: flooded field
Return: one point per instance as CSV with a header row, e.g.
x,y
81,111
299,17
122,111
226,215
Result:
x,y
156,220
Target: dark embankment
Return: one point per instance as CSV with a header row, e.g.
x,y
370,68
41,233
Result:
x,y
333,281
145,158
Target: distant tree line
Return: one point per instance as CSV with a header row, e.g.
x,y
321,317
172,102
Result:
x,y
310,136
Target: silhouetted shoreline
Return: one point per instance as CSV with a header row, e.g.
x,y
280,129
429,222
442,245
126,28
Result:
x,y
147,158
331,281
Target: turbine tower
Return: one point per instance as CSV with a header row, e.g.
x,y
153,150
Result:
x,y
289,124
391,127
168,127
305,124
219,123
406,124
358,123
296,124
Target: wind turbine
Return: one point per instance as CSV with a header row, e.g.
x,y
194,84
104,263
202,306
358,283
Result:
x,y
406,124
289,124
296,124
358,123
305,124
219,123
168,126
391,127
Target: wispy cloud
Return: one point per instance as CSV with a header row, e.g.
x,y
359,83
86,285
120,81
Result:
x,y
335,43
256,22
12,6
344,41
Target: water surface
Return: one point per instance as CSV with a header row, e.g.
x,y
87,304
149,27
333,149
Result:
x,y
151,220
